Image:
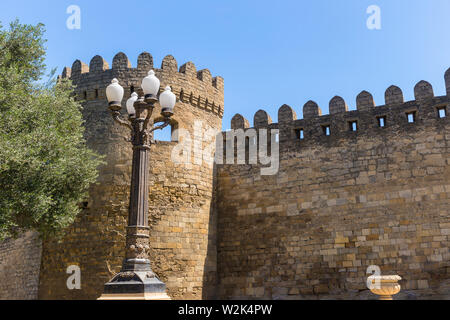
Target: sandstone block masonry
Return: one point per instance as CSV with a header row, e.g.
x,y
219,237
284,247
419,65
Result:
x,y
354,189
20,261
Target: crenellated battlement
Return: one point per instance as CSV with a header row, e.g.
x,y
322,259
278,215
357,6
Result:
x,y
197,88
368,118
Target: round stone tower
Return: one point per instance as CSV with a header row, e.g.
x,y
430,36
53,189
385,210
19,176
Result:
x,y
181,212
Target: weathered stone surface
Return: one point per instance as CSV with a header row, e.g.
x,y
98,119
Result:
x,y
337,105
286,114
145,61
364,101
261,119
121,62
20,261
423,90
393,96
239,122
338,204
98,64
311,109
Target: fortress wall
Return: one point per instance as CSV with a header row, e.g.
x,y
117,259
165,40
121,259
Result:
x,y
340,203
20,261
181,218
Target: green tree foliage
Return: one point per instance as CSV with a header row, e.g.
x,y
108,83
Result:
x,y
45,165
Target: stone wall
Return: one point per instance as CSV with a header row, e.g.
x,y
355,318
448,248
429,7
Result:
x,y
181,218
340,203
20,261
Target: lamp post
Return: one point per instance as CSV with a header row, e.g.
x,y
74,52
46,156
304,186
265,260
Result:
x,y
136,280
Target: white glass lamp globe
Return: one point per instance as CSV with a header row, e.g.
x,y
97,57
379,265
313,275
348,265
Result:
x,y
114,93
167,100
130,104
150,85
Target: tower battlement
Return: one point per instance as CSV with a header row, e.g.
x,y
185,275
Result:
x,y
197,88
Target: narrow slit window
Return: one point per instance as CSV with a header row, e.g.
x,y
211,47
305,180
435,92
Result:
x,y
353,126
381,121
96,93
442,112
85,95
299,134
411,117
326,130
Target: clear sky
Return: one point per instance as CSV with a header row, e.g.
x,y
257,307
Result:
x,y
269,52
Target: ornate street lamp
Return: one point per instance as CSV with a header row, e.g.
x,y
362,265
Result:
x,y
136,280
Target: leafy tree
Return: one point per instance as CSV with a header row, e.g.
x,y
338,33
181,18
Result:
x,y
45,166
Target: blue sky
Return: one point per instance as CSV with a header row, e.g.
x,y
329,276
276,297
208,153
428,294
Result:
x,y
269,52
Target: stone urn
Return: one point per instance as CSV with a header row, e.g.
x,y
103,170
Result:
x,y
385,286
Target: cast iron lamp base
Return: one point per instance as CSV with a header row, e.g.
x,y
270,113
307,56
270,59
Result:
x,y
136,281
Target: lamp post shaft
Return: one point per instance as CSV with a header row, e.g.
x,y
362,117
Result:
x,y
138,213
137,241
137,238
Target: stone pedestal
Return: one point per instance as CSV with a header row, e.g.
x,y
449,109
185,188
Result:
x,y
385,286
